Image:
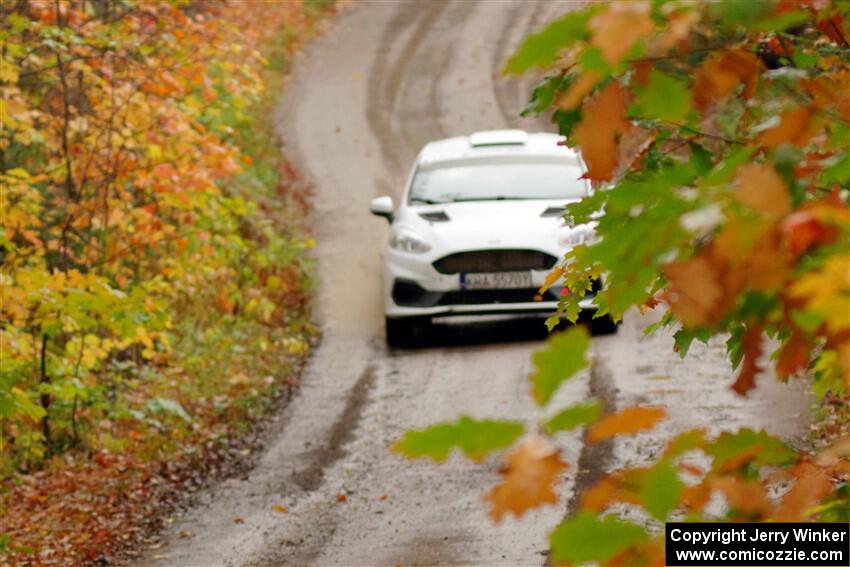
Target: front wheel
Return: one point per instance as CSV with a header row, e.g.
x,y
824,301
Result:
x,y
404,332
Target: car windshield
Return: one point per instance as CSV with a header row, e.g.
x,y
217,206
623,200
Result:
x,y
503,181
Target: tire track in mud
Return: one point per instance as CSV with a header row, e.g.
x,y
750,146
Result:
x,y
594,458
385,77
341,433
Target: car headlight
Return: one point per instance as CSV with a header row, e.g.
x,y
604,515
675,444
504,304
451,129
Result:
x,y
408,241
578,235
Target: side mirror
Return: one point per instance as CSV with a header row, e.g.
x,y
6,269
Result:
x,y
382,207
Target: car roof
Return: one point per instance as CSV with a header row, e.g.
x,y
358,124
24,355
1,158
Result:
x,y
495,143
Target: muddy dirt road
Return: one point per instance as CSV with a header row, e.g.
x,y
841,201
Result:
x,y
388,77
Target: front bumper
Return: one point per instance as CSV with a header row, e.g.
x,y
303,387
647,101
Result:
x,y
414,288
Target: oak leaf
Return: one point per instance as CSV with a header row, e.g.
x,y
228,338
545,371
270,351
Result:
x,y
534,467
603,123
626,422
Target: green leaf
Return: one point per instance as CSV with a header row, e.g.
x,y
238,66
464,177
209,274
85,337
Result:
x,y
784,21
541,49
567,120
735,12
768,450
725,170
661,490
564,355
27,407
587,537
665,98
544,94
684,337
839,172
475,438
574,416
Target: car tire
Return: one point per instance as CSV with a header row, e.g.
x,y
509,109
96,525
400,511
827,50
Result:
x,y
405,332
604,325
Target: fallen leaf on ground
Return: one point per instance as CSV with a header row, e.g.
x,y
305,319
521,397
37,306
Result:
x,y
280,509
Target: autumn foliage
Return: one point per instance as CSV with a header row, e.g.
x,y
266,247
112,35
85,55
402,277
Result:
x,y
716,136
154,274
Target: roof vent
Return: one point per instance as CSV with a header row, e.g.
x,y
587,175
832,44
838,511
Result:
x,y
498,138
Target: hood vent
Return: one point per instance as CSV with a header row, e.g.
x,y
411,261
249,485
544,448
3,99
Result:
x,y
435,216
553,212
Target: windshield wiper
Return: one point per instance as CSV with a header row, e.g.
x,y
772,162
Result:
x,y
427,201
496,198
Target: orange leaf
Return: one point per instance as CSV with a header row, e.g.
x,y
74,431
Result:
x,y
751,344
794,128
760,187
626,422
746,496
812,485
280,509
695,497
718,76
599,496
604,121
694,290
573,96
794,356
534,467
834,454
616,29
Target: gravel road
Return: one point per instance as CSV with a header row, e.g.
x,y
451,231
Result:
x,y
387,78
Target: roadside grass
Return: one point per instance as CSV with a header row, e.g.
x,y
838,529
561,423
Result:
x,y
185,410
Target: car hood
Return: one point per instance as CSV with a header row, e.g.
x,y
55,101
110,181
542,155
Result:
x,y
535,224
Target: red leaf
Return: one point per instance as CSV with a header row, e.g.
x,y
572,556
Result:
x,y
752,347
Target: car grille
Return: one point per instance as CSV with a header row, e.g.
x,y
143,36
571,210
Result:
x,y
486,296
481,261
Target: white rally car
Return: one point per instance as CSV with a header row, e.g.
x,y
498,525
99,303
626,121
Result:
x,y
478,229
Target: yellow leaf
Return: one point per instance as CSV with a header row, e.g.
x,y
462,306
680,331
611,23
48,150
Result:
x,y
280,509
551,278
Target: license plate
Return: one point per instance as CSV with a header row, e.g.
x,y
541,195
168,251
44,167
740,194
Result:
x,y
496,280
